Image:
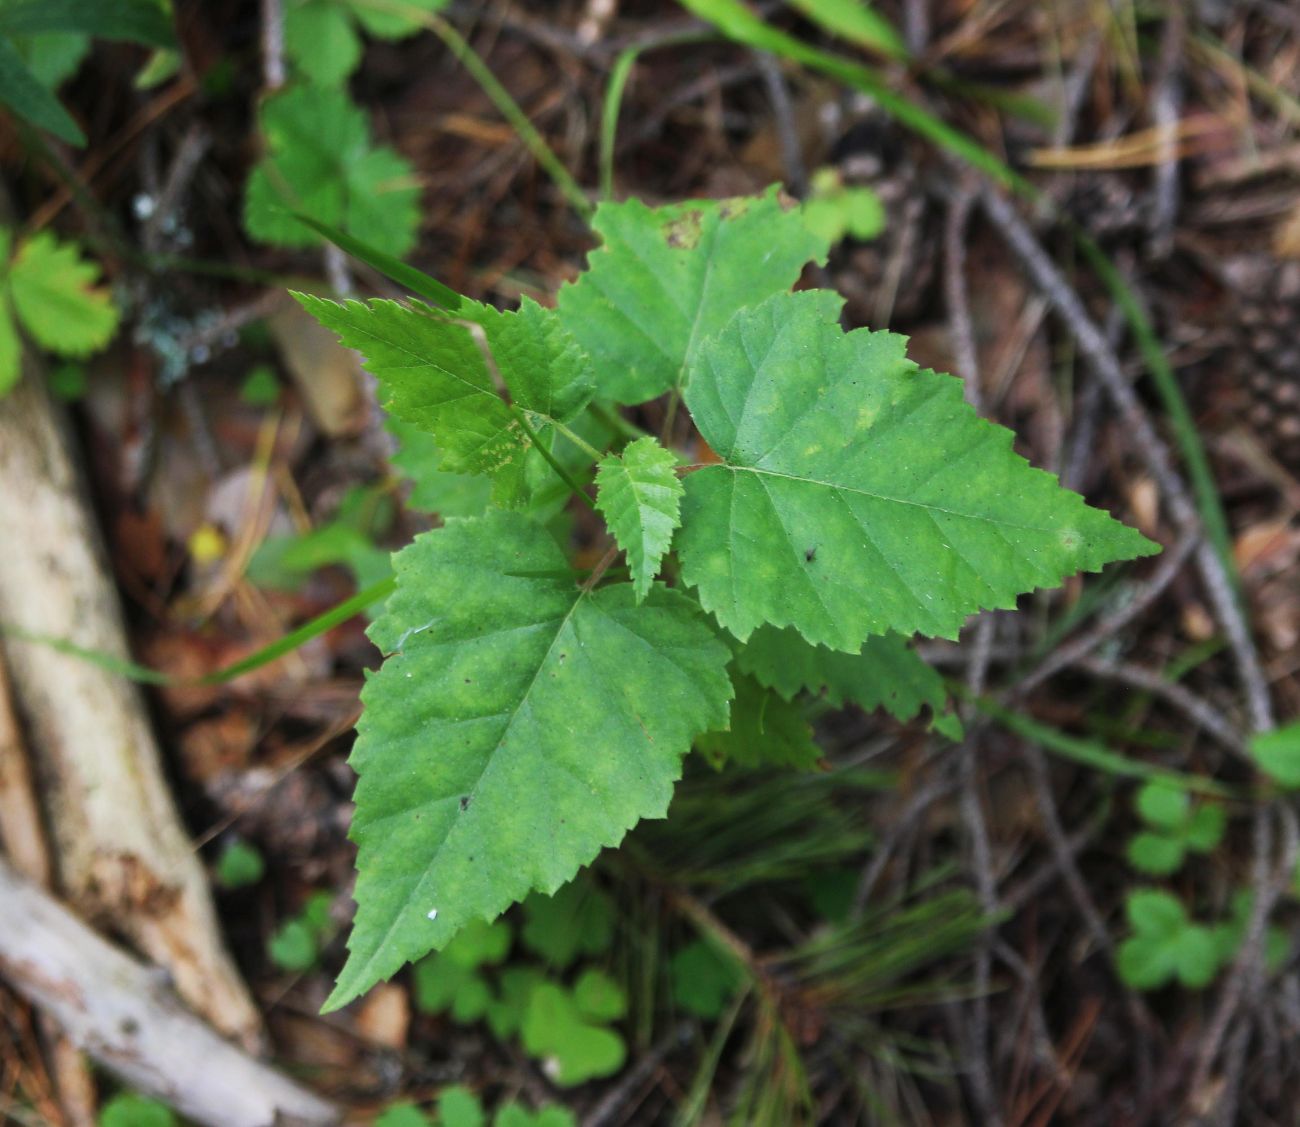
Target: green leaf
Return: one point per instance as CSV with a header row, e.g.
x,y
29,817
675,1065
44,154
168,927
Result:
x,y
260,387
57,300
855,21
477,781
1152,911
479,943
138,21
435,376
514,1115
505,1014
833,210
1205,829
1277,754
598,997
1155,853
459,1107
52,57
240,865
402,1114
765,731
320,39
11,348
1163,806
1196,957
320,162
292,947
577,920
639,495
572,1050
23,93
434,490
392,21
704,980
859,494
129,1110
667,278
884,673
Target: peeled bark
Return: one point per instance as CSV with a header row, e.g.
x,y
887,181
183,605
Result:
x,y
117,1011
121,854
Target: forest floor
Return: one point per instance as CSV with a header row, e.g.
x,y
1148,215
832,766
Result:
x,y
927,932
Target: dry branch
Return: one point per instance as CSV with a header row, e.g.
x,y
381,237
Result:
x,y
117,1010
120,850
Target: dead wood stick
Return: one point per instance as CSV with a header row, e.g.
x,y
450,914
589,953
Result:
x,y
120,851
119,1012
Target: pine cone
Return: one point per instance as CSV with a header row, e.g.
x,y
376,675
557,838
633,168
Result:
x,y
1269,345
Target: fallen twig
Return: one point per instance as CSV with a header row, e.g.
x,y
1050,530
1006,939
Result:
x,y
117,1010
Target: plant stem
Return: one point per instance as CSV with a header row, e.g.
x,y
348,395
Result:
x,y
551,460
578,441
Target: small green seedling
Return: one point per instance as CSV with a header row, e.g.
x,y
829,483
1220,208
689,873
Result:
x,y
565,1028
320,161
323,37
1165,944
1175,828
1230,934
52,292
1277,753
704,980
260,387
240,865
297,944
130,1110
831,501
348,540
834,210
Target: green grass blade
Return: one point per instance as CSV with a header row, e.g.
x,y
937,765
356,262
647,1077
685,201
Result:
x,y
394,269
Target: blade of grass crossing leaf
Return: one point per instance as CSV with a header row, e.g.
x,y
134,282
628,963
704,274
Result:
x,y
619,74
394,269
20,91
1091,754
138,21
473,62
739,23
142,674
1175,405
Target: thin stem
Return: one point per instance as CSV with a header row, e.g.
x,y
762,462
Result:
x,y
551,460
578,441
473,62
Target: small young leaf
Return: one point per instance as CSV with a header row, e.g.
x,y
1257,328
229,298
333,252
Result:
x,y
704,981
859,494
1163,806
598,997
402,1114
667,278
572,1050
435,376
130,1110
320,39
477,781
884,673
320,162
766,731
54,291
293,946
577,920
1155,853
1278,754
459,1107
639,495
1153,911
240,865
1205,828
